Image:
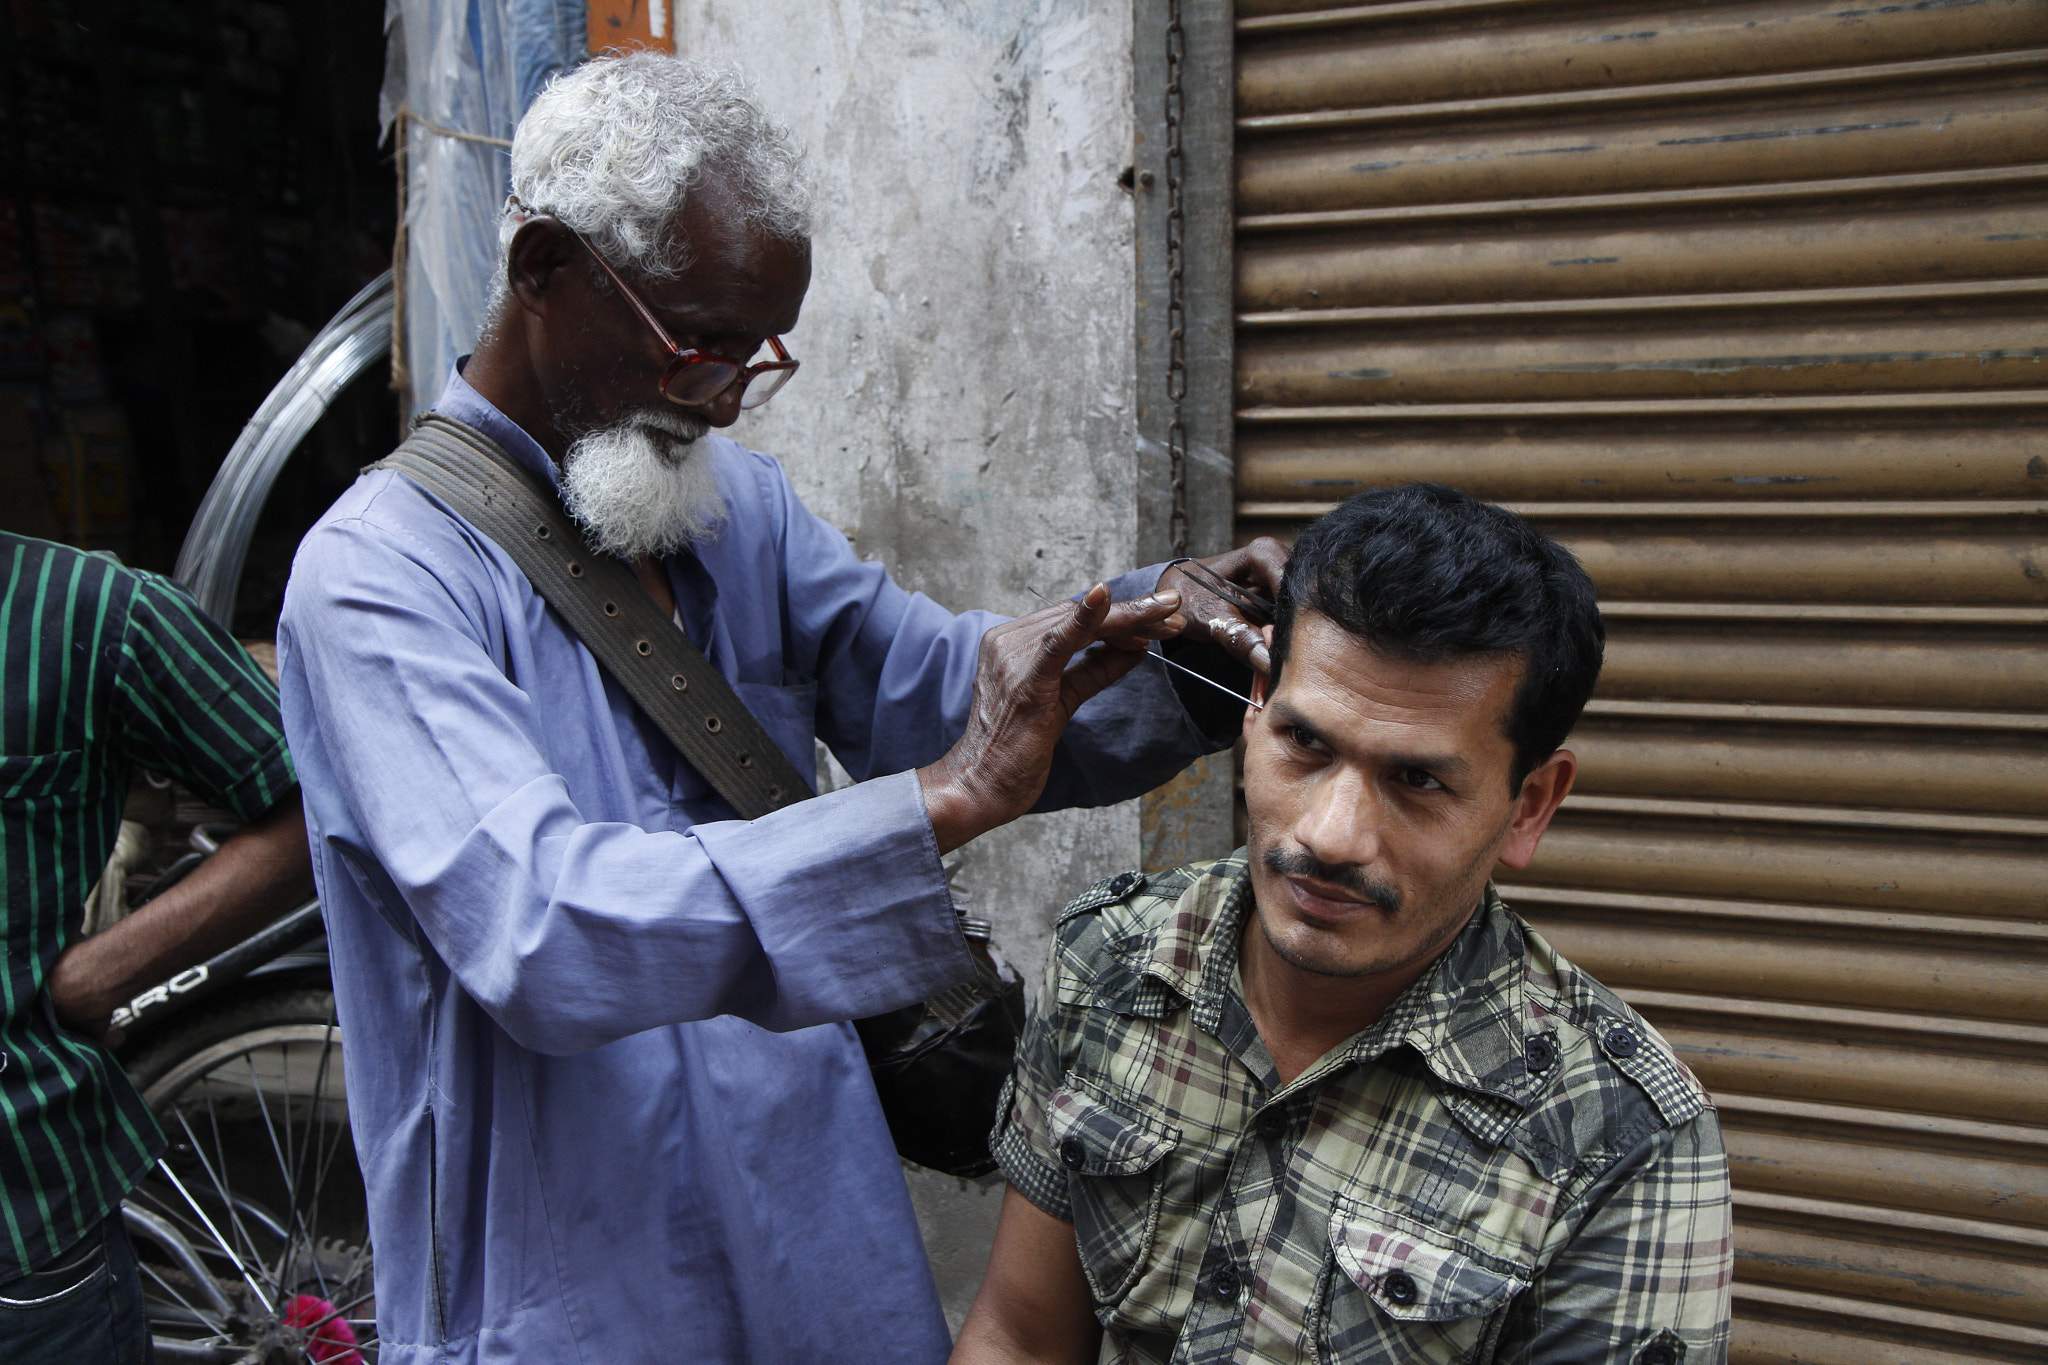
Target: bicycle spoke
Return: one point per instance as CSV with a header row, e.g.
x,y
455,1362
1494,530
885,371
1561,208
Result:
x,y
164,1208
316,1123
260,1216
284,1109
219,1240
326,1164
234,1219
215,1325
219,1176
289,1166
284,1252
265,1090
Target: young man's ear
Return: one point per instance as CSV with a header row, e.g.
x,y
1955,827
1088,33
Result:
x,y
1542,792
1261,682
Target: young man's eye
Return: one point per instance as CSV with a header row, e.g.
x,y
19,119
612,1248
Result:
x,y
1302,739
1422,780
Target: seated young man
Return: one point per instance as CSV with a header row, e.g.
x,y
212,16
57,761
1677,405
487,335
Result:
x,y
1328,1099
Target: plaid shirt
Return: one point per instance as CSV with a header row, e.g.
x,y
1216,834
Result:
x,y
1510,1165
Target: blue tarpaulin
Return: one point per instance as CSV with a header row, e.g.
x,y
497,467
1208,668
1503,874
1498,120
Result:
x,y
460,73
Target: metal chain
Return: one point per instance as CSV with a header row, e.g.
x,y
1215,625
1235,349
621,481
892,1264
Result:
x,y
1176,282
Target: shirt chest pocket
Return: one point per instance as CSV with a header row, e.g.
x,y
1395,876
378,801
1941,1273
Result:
x,y
1113,1158
1394,1291
26,779
41,795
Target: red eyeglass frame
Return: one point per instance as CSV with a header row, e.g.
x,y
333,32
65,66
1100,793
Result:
x,y
683,357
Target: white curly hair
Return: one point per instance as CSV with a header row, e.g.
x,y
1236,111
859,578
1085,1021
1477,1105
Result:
x,y
614,147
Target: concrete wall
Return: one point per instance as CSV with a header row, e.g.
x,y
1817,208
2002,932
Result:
x,y
966,409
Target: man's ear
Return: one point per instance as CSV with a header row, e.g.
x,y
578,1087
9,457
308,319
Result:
x,y
1542,792
539,251
1260,681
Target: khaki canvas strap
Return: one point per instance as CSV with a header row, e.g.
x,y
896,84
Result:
x,y
600,600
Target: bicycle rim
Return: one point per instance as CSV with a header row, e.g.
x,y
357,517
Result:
x,y
261,1187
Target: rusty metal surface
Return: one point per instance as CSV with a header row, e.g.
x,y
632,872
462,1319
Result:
x,y
1836,665
1744,303
1886,870
1300,173
1930,973
1339,65
1774,1327
1854,1163
1807,560
1477,363
1804,562
1528,462
1870,767
1832,249
1874,1256
1733,1044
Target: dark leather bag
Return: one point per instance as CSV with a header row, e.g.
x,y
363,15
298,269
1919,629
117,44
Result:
x,y
938,1066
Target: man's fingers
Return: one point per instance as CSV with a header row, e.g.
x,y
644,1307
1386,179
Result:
x,y
1123,618
1157,617
1258,566
1071,627
1097,669
1268,563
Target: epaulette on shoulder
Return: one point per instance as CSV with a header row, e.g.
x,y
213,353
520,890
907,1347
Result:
x,y
1128,888
1628,1043
1104,941
1108,891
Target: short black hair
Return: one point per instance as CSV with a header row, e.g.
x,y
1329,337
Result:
x,y
1427,573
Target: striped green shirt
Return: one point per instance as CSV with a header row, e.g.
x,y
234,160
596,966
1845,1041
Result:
x,y
102,668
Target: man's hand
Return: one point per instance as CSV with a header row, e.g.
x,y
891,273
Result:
x,y
1257,566
1024,694
255,877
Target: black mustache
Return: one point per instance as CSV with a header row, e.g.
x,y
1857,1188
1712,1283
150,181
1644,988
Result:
x,y
1296,862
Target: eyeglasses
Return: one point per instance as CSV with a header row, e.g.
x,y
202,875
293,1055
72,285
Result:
x,y
693,377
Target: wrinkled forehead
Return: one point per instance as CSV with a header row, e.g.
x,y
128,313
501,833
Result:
x,y
713,220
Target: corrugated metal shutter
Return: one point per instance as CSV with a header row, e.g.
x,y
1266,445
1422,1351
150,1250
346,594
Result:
x,y
1745,303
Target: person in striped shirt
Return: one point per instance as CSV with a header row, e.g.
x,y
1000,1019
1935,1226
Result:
x,y
105,669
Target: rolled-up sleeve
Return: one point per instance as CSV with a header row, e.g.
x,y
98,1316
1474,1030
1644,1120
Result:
x,y
195,705
1022,1142
428,775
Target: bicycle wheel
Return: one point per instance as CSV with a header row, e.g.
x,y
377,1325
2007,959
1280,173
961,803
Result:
x,y
252,1233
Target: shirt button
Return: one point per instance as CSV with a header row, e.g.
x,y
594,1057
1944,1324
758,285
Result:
x,y
1273,1125
1224,1284
1399,1287
1072,1154
1620,1042
1122,883
1542,1053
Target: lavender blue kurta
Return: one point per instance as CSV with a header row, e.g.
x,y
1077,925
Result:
x,y
603,1107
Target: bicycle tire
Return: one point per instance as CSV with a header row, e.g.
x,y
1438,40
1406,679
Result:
x,y
260,1185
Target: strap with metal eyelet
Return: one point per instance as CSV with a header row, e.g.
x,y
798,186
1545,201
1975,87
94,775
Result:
x,y
606,608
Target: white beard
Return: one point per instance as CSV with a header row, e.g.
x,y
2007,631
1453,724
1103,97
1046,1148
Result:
x,y
641,488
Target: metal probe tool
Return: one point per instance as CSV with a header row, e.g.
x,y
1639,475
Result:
x,y
1161,658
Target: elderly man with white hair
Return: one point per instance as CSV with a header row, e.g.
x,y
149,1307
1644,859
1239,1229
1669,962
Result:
x,y
604,1095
